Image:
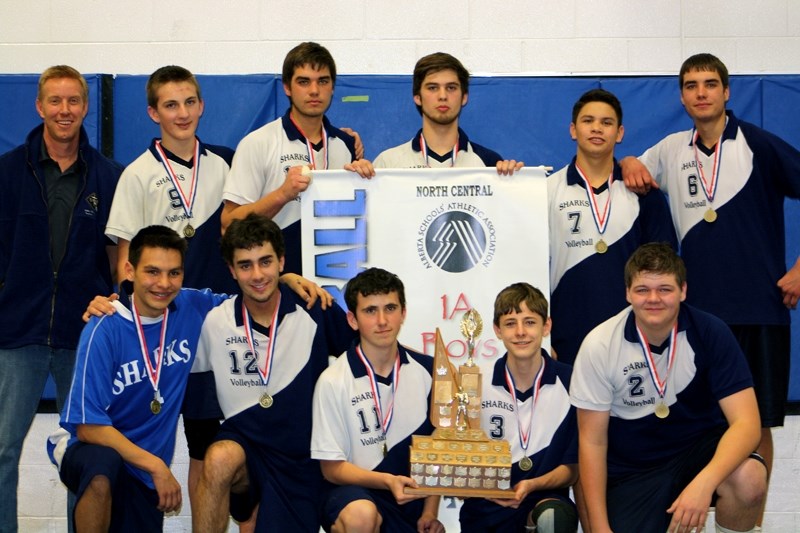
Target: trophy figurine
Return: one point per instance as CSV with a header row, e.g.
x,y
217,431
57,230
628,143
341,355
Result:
x,y
459,459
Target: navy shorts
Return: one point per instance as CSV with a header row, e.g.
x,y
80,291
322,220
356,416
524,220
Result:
x,y
768,352
639,501
474,519
286,488
396,518
135,505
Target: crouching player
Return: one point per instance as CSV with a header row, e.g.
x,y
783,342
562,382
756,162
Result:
x,y
366,407
526,402
130,375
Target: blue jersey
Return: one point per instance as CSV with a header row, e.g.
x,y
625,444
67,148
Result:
x,y
553,441
745,246
111,385
588,287
611,374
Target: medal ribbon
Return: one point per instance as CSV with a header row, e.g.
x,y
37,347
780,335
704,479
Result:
x,y
525,435
153,371
661,386
600,219
709,189
310,146
424,149
376,394
187,201
273,334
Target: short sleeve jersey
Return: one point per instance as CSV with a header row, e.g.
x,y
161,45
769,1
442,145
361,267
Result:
x,y
578,272
745,245
146,195
264,157
553,429
111,385
611,374
346,425
410,155
305,339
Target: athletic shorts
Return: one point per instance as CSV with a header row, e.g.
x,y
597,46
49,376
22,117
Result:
x,y
135,505
639,501
503,519
286,489
396,518
768,352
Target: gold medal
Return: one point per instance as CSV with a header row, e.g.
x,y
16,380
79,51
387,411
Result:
x,y
601,246
188,231
385,449
662,410
710,215
525,463
155,407
265,401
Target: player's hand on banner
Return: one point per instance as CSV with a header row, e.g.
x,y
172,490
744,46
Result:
x,y
100,306
507,167
297,180
363,167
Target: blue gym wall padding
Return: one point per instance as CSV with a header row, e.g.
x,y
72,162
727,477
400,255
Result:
x,y
523,118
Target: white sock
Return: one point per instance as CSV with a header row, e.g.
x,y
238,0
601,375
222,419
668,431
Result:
x,y
721,529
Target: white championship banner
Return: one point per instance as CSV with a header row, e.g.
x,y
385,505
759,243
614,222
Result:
x,y
456,237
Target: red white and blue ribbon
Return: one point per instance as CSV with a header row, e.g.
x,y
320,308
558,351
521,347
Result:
x,y
312,160
187,200
658,383
153,369
385,420
709,188
600,219
525,433
266,371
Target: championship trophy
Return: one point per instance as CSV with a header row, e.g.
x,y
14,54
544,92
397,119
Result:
x,y
459,459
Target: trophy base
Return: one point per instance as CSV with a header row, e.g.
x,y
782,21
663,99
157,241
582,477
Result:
x,y
460,463
461,493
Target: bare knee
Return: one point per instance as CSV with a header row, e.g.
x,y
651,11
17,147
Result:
x,y
98,489
747,485
224,461
360,516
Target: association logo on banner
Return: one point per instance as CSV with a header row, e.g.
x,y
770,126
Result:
x,y
456,237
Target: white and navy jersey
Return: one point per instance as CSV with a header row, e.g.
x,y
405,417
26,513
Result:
x,y
262,160
745,246
145,196
111,386
410,155
346,424
588,287
226,377
554,434
611,374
